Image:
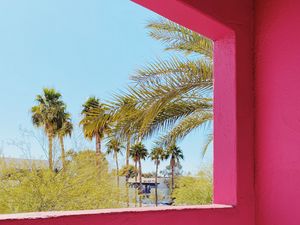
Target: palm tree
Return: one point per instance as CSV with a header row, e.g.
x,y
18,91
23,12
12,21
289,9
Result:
x,y
128,172
125,114
157,155
114,147
65,130
95,121
138,152
174,95
48,113
175,154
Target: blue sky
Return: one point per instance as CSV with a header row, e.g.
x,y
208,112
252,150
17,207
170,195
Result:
x,y
81,48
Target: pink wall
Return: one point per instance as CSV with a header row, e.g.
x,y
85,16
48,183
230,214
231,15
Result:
x,y
278,112
230,24
277,117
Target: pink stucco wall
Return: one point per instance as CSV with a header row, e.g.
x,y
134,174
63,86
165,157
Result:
x,y
278,112
230,24
254,41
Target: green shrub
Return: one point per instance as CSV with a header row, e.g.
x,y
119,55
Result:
x,y
82,185
193,190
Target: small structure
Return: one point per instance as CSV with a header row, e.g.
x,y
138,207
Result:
x,y
147,184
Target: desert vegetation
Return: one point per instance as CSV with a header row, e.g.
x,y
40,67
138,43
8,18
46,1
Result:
x,y
167,100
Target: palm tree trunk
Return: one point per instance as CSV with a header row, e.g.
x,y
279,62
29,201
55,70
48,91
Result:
x,y
63,156
140,173
98,149
140,200
156,174
141,185
50,151
172,175
128,150
127,164
172,165
98,144
127,192
117,167
135,181
118,178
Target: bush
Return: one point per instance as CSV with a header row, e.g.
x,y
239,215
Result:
x,y
82,185
193,190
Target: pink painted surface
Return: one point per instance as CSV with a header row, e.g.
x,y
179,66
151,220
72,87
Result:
x,y
164,217
277,125
229,23
278,112
41,215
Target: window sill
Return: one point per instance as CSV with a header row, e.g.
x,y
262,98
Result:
x,y
44,215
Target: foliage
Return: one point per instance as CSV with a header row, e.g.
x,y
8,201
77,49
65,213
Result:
x,y
193,190
157,155
138,152
66,129
170,96
175,154
166,172
179,38
149,175
49,113
48,109
95,121
165,82
128,171
81,186
114,146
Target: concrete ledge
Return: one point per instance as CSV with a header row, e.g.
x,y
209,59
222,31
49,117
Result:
x,y
53,214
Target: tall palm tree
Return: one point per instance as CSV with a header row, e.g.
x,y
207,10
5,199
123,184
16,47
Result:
x,y
157,155
114,146
48,114
95,121
125,114
175,154
138,152
128,172
65,130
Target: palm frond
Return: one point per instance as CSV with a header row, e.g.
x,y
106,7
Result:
x,y
209,140
185,126
176,111
160,71
179,38
96,118
156,96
